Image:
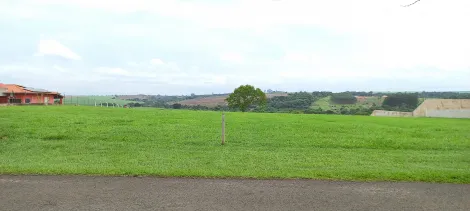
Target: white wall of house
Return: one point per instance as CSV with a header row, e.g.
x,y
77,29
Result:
x,y
451,113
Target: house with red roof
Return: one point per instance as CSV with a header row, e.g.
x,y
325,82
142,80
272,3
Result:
x,y
17,94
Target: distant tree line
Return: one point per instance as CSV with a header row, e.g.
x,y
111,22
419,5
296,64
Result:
x,y
401,102
301,102
172,98
441,95
298,100
445,95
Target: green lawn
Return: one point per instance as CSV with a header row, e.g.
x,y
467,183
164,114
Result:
x,y
118,141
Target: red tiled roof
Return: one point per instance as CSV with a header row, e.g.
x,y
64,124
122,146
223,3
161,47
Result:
x,y
20,89
15,88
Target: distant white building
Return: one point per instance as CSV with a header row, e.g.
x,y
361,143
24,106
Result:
x,y
450,108
447,108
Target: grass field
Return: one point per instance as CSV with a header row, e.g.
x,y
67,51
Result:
x,y
117,141
90,100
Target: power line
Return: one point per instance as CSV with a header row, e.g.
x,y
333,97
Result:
x,y
412,3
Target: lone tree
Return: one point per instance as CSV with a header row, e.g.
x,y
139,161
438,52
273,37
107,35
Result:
x,y
245,96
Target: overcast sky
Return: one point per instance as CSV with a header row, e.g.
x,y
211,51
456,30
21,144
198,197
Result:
x,y
213,46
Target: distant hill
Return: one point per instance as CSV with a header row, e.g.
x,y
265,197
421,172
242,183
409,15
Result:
x,y
90,100
362,101
128,97
214,101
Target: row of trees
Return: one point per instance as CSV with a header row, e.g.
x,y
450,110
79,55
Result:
x,y
445,95
316,94
298,100
249,98
401,102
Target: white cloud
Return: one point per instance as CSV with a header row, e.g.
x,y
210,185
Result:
x,y
155,66
53,47
232,57
113,71
246,13
60,69
396,36
303,57
261,42
19,69
132,30
169,74
156,62
10,9
121,6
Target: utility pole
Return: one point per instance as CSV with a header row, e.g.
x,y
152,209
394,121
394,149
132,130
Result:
x,y
223,128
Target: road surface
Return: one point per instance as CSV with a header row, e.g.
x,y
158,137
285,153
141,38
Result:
x,y
150,193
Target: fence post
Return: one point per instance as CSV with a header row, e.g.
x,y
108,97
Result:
x,y
223,128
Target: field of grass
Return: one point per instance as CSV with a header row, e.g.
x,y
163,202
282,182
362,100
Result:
x,y
90,100
118,141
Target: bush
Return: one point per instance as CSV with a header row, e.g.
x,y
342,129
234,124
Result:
x,y
403,100
176,106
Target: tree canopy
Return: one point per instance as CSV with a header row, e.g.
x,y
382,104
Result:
x,y
298,100
245,96
343,98
409,100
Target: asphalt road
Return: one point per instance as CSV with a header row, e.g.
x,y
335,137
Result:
x,y
148,193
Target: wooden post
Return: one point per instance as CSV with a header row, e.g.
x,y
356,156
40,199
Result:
x,y
223,128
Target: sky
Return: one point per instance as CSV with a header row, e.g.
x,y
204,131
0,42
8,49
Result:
x,y
213,46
